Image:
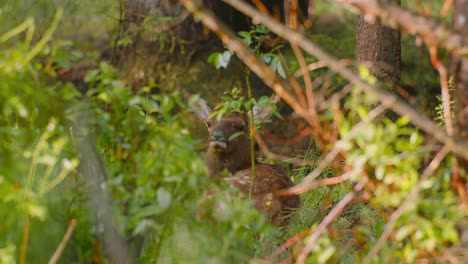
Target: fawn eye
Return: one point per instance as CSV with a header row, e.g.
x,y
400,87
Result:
x,y
208,124
240,127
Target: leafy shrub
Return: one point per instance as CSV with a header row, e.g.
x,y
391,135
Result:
x,y
165,206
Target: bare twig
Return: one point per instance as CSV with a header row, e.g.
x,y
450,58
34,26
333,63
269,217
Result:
x,y
439,66
335,97
459,185
311,67
298,90
388,99
261,6
24,240
320,64
411,197
332,181
63,243
294,22
283,158
289,243
308,182
308,86
446,8
334,213
251,136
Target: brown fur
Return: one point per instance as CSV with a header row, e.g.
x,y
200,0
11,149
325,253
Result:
x,y
229,149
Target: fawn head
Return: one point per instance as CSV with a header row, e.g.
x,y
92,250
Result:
x,y
229,146
229,134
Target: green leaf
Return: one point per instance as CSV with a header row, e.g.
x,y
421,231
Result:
x,y
326,254
149,211
36,210
164,198
143,226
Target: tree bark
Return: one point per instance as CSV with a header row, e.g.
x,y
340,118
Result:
x,y
378,47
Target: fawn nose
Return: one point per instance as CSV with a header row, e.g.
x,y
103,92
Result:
x,y
218,135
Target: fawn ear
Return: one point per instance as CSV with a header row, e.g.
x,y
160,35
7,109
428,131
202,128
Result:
x,y
199,107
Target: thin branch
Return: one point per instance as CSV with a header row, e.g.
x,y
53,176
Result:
x,y
283,158
332,181
388,99
320,64
446,8
439,66
261,6
429,29
24,240
63,243
334,213
253,177
308,85
298,90
430,169
311,67
459,185
289,243
294,22
335,97
308,182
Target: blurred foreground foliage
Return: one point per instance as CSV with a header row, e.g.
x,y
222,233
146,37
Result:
x,y
157,180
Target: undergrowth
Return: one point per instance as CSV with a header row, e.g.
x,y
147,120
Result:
x,y
164,205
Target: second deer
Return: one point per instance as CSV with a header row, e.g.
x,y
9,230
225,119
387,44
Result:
x,y
229,148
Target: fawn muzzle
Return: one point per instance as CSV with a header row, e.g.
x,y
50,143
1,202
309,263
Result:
x,y
218,141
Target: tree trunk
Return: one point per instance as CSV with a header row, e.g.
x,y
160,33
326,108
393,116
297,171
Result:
x,y
162,43
378,47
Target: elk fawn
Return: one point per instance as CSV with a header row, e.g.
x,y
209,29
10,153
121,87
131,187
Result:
x,y
229,148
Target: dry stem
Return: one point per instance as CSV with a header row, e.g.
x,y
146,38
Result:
x,y
63,243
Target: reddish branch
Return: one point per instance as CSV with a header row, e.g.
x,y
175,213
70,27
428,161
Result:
x,y
289,243
334,213
446,8
63,243
429,29
308,85
439,66
261,6
388,99
283,158
332,181
309,181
